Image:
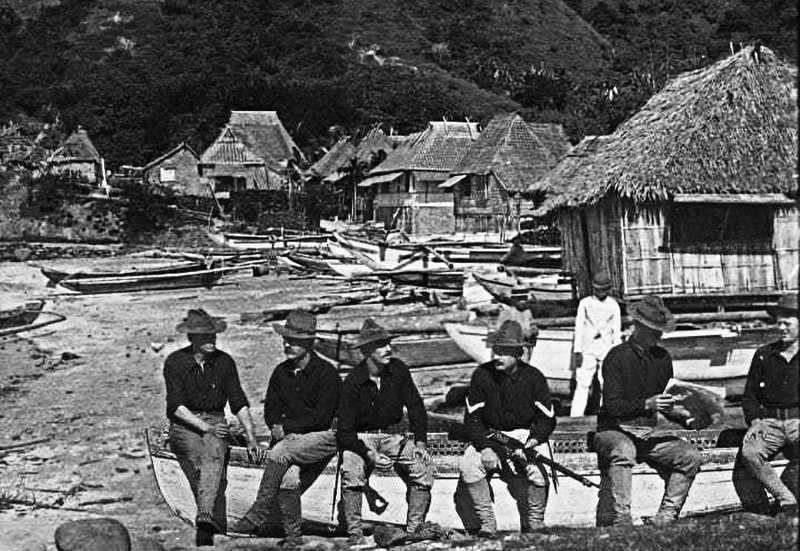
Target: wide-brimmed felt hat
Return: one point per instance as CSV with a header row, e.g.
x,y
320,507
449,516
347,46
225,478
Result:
x,y
370,332
652,312
198,321
601,281
787,305
509,334
299,325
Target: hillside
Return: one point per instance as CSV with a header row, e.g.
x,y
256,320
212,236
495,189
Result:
x,y
141,75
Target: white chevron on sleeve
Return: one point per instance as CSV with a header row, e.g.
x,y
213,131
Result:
x,y
547,411
473,408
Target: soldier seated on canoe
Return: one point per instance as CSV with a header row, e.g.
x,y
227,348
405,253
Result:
x,y
509,395
635,374
200,379
299,408
373,397
770,407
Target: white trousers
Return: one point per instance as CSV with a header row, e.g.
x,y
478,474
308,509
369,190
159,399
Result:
x,y
583,383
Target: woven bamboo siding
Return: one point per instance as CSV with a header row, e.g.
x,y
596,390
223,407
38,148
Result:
x,y
604,241
573,251
785,242
646,266
493,211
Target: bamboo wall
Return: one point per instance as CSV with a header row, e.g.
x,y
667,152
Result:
x,y
785,244
496,212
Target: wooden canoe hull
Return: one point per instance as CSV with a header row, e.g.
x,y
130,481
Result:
x,y
415,351
56,276
546,288
200,278
445,280
245,241
572,505
552,354
21,315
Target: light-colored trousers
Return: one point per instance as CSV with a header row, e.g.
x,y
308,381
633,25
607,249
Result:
x,y
400,450
584,375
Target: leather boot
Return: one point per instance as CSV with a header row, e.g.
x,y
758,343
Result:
x,y
614,497
351,508
531,512
474,506
675,493
289,501
268,491
419,500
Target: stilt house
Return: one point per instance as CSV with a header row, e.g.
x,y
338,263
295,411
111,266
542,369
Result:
x,y
405,186
253,151
693,197
508,158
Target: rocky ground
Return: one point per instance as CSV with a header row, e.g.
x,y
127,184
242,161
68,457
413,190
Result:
x,y
86,389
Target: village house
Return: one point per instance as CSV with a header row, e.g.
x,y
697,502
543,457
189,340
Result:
x,y
489,185
177,170
77,156
693,197
253,151
405,186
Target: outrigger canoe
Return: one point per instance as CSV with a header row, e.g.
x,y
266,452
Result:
x,y
704,356
154,282
56,276
572,505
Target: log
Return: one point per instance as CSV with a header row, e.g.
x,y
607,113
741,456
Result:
x,y
17,445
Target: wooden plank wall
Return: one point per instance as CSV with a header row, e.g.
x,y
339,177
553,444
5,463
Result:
x,y
785,243
646,264
573,252
605,243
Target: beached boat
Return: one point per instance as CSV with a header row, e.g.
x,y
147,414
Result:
x,y
397,321
443,280
704,356
55,276
381,256
415,350
572,505
44,319
311,263
181,280
545,287
268,241
24,314
348,269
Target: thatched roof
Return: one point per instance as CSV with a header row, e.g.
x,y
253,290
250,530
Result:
x,y
516,152
228,149
336,158
374,142
264,134
438,148
728,128
77,148
180,147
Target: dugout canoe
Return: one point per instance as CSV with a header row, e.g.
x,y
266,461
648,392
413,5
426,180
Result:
x,y
435,279
22,315
545,287
276,241
703,356
415,350
155,282
55,276
572,505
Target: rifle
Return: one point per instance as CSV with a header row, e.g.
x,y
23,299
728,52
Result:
x,y
532,455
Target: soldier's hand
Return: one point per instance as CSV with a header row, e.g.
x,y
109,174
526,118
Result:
x,y
379,460
659,402
490,460
531,443
220,430
277,433
421,452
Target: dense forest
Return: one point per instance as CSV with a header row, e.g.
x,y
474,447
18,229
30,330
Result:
x,y
142,75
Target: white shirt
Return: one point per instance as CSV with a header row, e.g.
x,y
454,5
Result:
x,y
597,326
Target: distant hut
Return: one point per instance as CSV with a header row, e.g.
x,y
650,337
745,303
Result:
x,y
177,170
695,195
508,158
405,186
253,151
77,156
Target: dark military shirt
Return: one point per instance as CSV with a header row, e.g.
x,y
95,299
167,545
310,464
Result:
x,y
204,389
771,382
631,374
497,400
302,400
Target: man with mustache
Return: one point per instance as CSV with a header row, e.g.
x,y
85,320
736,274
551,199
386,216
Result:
x,y
373,398
299,408
200,379
511,396
771,406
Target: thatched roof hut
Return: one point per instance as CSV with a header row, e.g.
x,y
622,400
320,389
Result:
x,y
77,155
329,167
693,195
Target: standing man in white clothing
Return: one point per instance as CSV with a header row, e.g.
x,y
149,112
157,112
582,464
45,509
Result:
x,y
597,330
